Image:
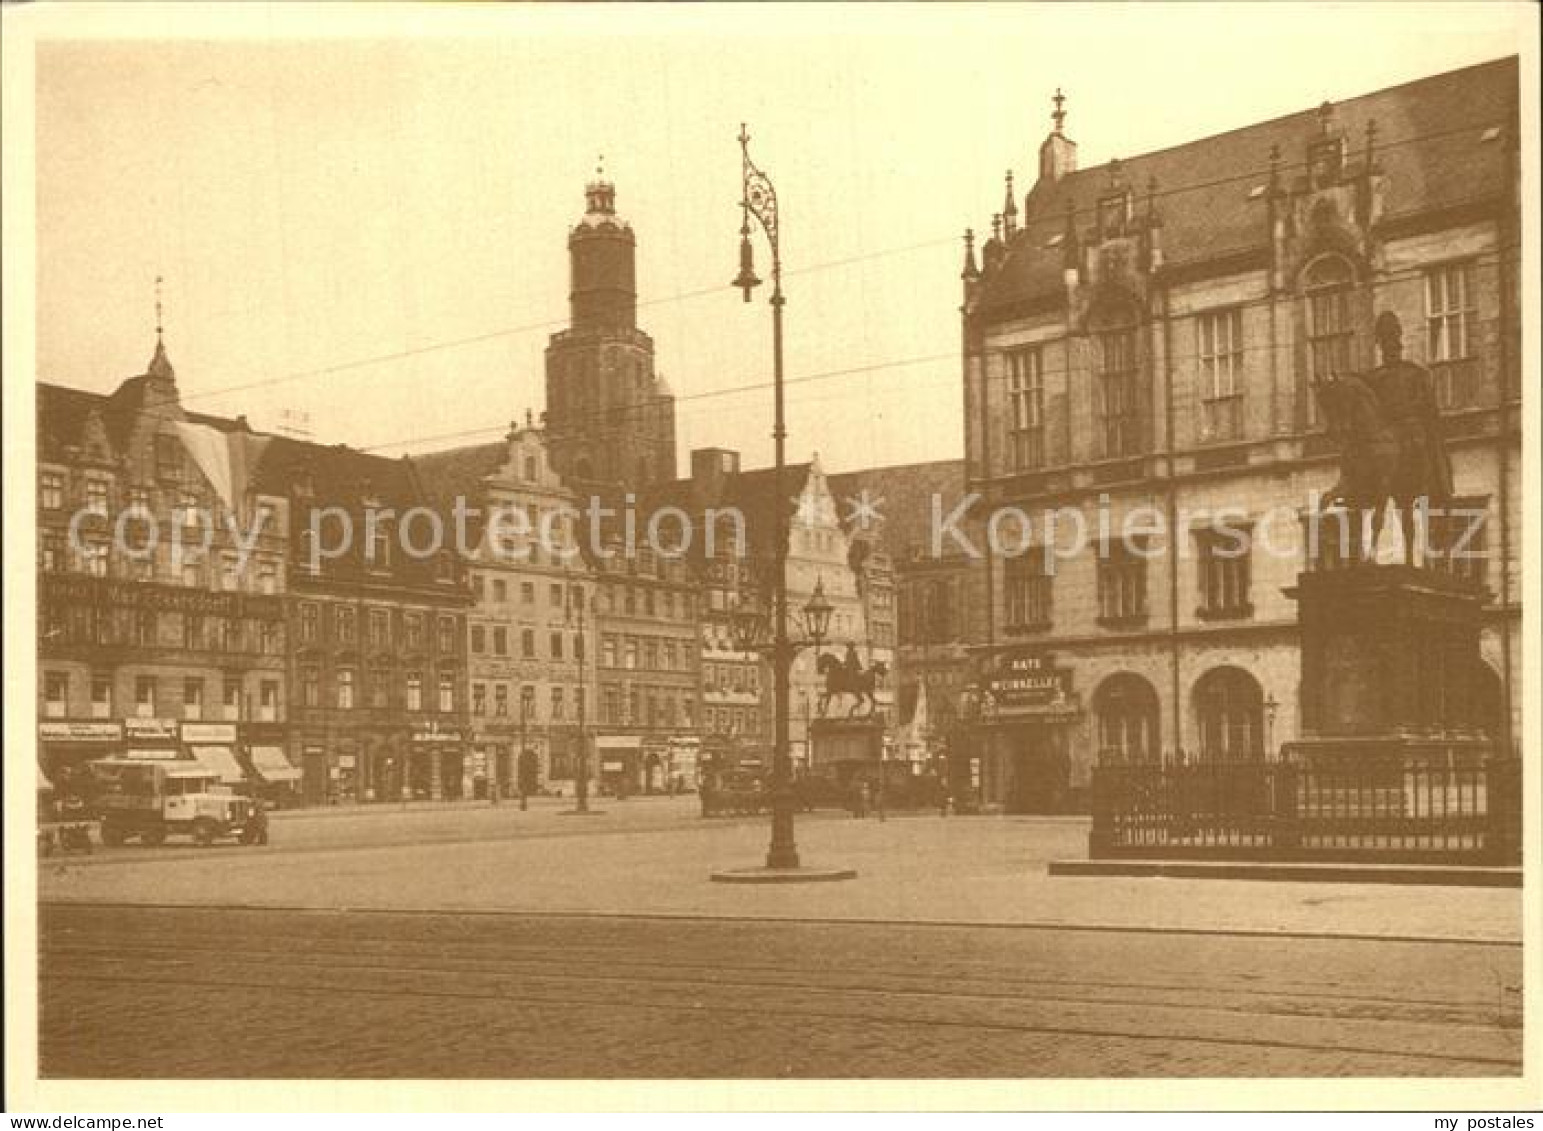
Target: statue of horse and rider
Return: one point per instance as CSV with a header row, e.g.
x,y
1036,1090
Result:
x,y
848,677
1389,431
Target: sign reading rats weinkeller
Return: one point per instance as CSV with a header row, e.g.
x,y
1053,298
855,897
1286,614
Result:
x,y
1028,679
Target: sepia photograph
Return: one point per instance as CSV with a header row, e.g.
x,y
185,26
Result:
x,y
973,551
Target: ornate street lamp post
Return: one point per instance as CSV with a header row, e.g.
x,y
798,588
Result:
x,y
758,200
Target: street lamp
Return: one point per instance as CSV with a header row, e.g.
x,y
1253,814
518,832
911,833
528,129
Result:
x,y
758,201
1270,707
750,625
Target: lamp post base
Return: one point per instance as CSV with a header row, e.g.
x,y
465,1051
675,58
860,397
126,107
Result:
x,y
764,875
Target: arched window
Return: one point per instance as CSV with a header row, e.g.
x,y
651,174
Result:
x,y
1229,708
1126,714
1329,324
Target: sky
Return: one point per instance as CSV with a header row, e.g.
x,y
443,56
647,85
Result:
x,y
365,222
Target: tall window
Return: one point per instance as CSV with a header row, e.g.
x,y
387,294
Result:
x,y
1450,314
1122,585
231,698
528,702
1119,408
447,691
51,490
500,640
101,696
56,694
144,696
413,625
345,685
557,645
415,691
380,686
1026,405
479,698
193,699
1028,591
96,495
479,639
528,643
310,621
1224,573
344,625
501,699
1330,329
310,686
268,700
1220,349
559,705
447,634
380,628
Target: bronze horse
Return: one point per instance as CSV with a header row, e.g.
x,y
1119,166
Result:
x,y
840,681
1388,426
1367,470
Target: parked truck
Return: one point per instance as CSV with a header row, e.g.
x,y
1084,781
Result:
x,y
154,800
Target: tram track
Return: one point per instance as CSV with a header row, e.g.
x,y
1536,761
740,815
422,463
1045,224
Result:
x,y
732,978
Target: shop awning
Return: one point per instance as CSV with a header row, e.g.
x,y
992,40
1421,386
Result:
x,y
271,764
220,760
43,782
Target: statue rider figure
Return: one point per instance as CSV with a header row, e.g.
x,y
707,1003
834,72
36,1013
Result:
x,y
851,667
1408,401
1389,429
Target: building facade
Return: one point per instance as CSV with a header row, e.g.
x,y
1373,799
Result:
x,y
531,631
160,585
1140,344
377,630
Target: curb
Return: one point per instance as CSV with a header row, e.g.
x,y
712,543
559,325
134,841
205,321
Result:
x,y
1405,874
703,917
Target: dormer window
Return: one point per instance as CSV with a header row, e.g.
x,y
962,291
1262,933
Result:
x,y
1326,161
1114,214
168,457
378,551
530,468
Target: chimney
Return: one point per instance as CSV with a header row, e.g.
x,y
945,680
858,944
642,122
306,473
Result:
x,y
711,469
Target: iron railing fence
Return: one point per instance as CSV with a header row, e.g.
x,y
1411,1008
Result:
x,y
1437,802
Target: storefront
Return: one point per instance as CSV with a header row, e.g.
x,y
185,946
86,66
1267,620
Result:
x,y
151,738
1020,758
213,746
436,769
619,759
66,748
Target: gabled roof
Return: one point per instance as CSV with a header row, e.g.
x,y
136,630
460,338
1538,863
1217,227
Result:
x,y
459,472
903,497
1430,145
62,413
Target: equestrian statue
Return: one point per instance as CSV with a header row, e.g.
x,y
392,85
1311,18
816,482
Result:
x,y
848,677
1389,432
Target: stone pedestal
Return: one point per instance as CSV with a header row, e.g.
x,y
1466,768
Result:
x,y
845,742
1388,651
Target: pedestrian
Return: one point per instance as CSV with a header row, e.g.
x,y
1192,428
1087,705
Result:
x,y
256,830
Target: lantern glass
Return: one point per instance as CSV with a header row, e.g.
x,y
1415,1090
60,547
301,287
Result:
x,y
817,613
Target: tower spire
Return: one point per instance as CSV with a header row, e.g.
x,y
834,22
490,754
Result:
x,y
160,364
1059,113
1010,208
158,310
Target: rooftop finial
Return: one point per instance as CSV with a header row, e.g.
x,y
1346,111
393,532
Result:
x,y
158,308
1059,114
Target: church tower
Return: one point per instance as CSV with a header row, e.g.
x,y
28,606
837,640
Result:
x,y
610,418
